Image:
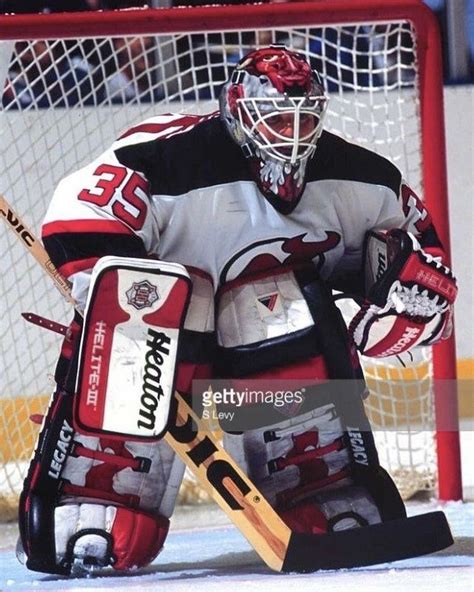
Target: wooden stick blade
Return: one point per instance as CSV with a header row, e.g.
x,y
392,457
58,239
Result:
x,y
370,545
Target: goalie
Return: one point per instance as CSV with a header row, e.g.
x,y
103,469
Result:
x,y
254,215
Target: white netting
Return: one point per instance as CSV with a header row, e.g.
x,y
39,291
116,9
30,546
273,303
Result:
x,y
66,100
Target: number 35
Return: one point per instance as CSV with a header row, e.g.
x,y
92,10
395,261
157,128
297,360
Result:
x,y
111,178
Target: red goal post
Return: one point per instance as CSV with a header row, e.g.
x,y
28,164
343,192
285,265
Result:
x,y
427,62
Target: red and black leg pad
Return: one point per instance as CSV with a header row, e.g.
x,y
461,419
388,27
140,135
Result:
x,y
43,486
317,460
94,487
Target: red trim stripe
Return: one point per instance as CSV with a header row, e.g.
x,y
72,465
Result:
x,y
106,457
72,267
147,128
186,122
105,226
156,128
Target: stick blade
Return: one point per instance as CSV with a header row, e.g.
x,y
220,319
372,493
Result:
x,y
369,545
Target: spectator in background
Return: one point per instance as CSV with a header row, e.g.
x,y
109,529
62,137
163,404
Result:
x,y
133,79
32,6
115,4
47,77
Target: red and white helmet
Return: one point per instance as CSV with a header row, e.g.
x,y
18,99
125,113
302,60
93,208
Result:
x,y
267,84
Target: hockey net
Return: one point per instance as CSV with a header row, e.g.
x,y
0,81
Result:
x,y
68,95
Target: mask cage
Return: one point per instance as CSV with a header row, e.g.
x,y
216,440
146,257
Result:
x,y
257,111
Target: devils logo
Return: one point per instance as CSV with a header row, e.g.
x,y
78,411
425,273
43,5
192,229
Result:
x,y
274,252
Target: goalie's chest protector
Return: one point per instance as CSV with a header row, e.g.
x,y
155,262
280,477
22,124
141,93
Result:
x,y
231,230
211,215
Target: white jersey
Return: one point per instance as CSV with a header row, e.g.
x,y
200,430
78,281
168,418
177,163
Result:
x,y
177,187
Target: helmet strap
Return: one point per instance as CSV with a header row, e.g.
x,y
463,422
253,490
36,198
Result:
x,y
248,150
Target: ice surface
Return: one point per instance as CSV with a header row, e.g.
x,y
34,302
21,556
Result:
x,y
218,558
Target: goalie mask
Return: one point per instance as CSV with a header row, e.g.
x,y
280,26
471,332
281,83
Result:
x,y
273,106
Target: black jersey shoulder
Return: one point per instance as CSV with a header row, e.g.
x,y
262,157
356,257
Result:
x,y
202,156
336,158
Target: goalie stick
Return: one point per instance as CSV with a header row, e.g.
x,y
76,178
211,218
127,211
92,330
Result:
x,y
16,225
216,471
